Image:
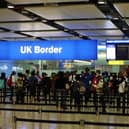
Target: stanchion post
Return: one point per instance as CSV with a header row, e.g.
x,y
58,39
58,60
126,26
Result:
x,y
14,124
40,113
82,124
13,115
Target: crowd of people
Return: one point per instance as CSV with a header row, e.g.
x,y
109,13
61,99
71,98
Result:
x,y
37,85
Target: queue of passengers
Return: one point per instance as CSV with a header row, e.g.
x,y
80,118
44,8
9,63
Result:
x,y
78,86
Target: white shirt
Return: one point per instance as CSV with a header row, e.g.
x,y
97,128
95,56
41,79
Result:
x,y
121,88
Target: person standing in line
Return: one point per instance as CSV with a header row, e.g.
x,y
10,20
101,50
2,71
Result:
x,y
97,88
11,82
3,86
26,83
86,78
33,82
121,92
60,88
20,89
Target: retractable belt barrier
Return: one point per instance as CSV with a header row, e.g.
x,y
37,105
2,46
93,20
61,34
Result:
x,y
71,122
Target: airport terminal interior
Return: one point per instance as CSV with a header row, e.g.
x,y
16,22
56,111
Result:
x,y
64,64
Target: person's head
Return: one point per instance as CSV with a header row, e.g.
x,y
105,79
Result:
x,y
13,73
61,74
33,73
27,71
97,72
3,75
77,77
105,74
87,70
44,74
125,74
19,74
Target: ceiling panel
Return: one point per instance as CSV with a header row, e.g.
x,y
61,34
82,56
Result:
x,y
100,32
81,20
27,26
9,15
63,38
87,24
18,38
48,34
127,21
9,34
123,9
41,1
67,12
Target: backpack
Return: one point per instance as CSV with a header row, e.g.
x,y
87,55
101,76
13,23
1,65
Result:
x,y
19,83
100,83
75,87
9,81
121,88
2,83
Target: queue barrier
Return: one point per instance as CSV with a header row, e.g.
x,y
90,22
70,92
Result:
x,y
81,122
124,108
40,110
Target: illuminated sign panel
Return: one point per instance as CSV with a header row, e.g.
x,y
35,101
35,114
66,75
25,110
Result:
x,y
116,62
117,50
49,50
111,52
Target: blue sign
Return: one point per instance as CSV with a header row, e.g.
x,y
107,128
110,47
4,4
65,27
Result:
x,y
48,50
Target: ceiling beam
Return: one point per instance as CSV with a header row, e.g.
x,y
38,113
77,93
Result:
x,y
3,4
52,23
112,14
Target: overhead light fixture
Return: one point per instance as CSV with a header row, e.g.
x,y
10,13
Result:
x,y
82,61
115,18
66,30
124,28
12,31
10,6
101,2
80,36
34,37
44,21
35,18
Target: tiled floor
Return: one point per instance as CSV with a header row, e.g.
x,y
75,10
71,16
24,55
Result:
x,y
7,122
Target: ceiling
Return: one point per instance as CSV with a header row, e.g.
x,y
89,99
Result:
x,y
64,19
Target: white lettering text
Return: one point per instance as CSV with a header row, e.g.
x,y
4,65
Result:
x,y
25,49
51,50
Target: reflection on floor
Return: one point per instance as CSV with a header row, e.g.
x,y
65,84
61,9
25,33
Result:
x,y
7,118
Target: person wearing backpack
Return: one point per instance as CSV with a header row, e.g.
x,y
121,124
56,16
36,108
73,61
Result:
x,y
75,92
121,92
33,82
20,89
3,87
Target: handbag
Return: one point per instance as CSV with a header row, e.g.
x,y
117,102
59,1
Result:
x,y
67,86
82,89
